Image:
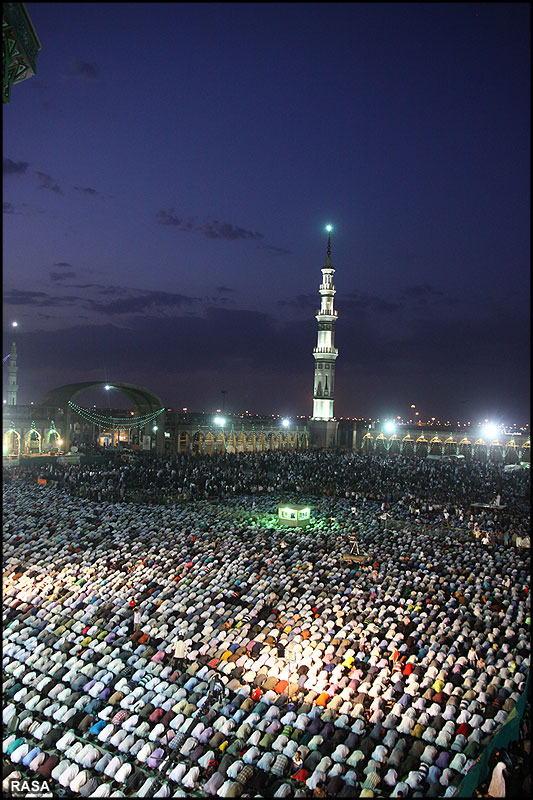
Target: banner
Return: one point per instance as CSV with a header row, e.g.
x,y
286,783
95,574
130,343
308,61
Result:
x,y
41,481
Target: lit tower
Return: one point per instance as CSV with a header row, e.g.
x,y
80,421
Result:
x,y
12,370
325,352
324,427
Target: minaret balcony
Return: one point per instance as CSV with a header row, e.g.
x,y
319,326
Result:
x,y
321,313
326,287
332,351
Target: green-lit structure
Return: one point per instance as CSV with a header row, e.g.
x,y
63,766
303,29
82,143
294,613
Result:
x,y
20,46
294,515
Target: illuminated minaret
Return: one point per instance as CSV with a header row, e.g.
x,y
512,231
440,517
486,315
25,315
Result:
x,y
12,370
325,352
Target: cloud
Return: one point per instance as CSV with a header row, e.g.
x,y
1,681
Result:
x,y
143,302
92,192
302,302
47,182
24,297
62,264
224,289
169,218
61,276
22,210
211,229
277,251
10,167
360,302
225,230
84,69
422,291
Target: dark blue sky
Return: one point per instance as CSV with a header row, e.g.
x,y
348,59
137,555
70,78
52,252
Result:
x,y
169,171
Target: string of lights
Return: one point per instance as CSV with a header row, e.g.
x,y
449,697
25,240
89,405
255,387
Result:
x,y
128,422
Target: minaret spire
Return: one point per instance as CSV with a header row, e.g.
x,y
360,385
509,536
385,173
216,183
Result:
x,y
12,369
325,352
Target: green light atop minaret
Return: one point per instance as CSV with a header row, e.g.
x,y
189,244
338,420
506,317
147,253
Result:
x,y
329,228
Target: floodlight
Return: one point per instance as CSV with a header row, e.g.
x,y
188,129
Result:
x,y
490,430
107,387
285,423
390,427
15,324
329,228
219,421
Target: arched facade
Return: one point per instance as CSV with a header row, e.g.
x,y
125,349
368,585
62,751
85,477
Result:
x,y
210,440
421,443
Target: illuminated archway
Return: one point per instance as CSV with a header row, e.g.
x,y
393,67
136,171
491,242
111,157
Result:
x,y
32,441
421,446
251,443
367,443
184,442
272,441
435,446
512,452
450,446
197,442
495,451
480,450
394,444
231,443
209,444
11,443
381,444
465,447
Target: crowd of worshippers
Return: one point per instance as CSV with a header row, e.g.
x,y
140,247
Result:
x,y
201,649
385,477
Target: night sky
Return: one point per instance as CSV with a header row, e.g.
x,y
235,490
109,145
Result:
x,y
169,171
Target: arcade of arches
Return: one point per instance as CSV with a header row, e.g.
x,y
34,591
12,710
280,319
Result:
x,y
424,443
